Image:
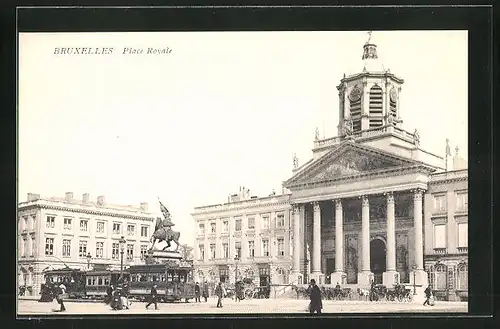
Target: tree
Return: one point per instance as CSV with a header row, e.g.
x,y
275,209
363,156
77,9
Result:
x,y
186,251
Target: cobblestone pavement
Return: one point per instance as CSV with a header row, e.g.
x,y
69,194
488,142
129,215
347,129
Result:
x,y
30,307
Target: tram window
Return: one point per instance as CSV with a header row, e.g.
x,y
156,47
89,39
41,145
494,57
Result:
x,y
144,278
134,278
93,281
176,277
99,281
89,281
170,276
106,281
162,278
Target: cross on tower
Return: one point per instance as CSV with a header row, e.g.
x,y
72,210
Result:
x,y
369,36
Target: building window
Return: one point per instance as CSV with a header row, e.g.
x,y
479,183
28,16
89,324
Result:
x,y
280,220
376,115
237,246
440,277
237,225
67,223
51,222
212,251
130,251
225,226
462,201
144,251
83,225
251,248
281,247
439,236
462,277
82,249
49,246
265,247
25,247
251,223
130,229
439,203
213,228
144,231
265,222
463,235
202,251
100,227
66,248
225,249
201,229
115,250
116,228
99,249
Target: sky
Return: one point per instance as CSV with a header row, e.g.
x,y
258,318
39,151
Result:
x,y
221,110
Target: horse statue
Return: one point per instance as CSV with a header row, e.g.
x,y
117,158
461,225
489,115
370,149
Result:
x,y
164,232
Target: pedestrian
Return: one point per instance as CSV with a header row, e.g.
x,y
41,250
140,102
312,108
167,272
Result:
x,y
197,292
428,296
316,304
219,292
205,290
60,296
109,294
237,289
153,296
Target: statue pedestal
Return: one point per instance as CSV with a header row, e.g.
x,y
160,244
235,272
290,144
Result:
x,y
162,257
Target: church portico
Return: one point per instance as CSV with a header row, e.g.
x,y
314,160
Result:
x,y
369,235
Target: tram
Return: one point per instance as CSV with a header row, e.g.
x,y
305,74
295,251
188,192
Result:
x,y
98,281
73,279
174,281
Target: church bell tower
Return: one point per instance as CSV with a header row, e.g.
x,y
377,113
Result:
x,y
369,100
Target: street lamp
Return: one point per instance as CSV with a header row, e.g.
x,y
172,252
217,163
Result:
x,y
236,259
414,267
89,258
122,248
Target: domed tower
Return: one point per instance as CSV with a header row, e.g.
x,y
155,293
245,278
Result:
x,y
369,100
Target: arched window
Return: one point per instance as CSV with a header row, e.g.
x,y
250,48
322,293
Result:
x,y
212,276
440,277
375,107
462,277
355,108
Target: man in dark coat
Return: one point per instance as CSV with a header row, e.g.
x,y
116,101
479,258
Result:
x,y
153,296
428,295
197,292
205,290
219,292
61,294
316,304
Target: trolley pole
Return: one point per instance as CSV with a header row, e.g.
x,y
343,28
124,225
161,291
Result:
x,y
122,249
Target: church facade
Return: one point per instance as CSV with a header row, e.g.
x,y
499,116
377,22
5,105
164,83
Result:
x,y
372,204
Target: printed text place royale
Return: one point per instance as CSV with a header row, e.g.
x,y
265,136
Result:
x,y
83,50
146,51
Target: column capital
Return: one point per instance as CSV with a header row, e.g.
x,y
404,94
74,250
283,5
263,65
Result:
x,y
295,208
390,197
316,206
364,200
338,203
417,193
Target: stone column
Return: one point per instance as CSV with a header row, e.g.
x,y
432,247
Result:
x,y
316,257
339,275
421,279
365,276
296,240
390,276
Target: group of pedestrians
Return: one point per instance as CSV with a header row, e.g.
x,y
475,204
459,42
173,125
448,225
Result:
x,y
117,296
198,292
51,291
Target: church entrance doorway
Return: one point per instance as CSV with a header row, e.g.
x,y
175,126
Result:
x,y
377,259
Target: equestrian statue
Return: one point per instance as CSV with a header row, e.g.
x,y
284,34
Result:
x,y
163,230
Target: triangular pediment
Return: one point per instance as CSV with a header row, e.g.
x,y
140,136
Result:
x,y
347,160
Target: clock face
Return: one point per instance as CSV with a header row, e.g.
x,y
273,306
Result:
x,y
393,94
355,94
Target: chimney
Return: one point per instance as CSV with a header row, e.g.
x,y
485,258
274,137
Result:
x,y
69,196
85,198
144,206
33,196
100,200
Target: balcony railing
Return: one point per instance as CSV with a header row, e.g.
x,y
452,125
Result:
x,y
440,251
462,249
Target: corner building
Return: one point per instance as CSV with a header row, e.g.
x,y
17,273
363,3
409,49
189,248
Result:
x,y
372,204
55,232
